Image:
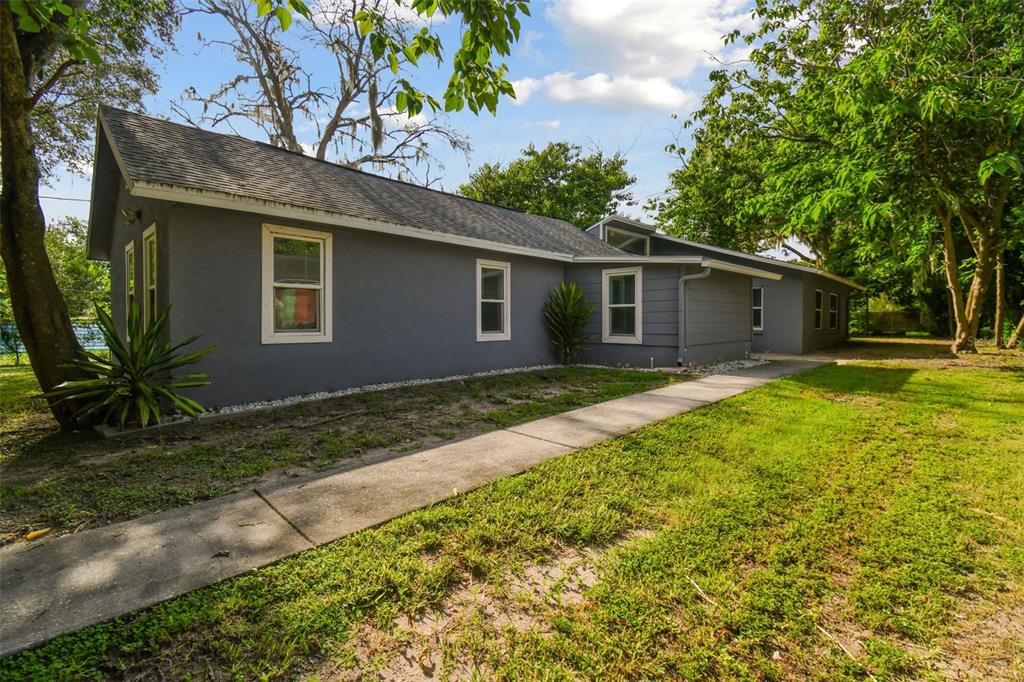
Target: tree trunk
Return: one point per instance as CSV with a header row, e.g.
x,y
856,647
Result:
x,y
1000,299
39,310
962,339
1017,331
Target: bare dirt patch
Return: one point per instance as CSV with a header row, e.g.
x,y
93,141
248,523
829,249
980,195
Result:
x,y
988,643
414,647
69,482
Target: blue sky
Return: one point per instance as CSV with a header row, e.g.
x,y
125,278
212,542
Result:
x,y
604,74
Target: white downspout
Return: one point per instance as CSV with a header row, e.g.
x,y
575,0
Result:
x,y
682,310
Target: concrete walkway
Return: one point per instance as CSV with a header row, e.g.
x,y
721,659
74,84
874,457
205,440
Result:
x,y
70,582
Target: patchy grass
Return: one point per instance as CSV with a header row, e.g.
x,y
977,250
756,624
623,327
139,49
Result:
x,y
74,481
859,520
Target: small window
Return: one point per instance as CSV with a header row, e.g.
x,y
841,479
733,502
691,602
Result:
x,y
817,308
149,273
833,311
636,244
296,285
129,280
757,303
622,302
493,284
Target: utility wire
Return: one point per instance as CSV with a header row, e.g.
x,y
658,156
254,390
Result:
x,y
42,196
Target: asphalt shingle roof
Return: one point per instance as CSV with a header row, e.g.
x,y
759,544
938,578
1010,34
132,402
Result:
x,y
154,150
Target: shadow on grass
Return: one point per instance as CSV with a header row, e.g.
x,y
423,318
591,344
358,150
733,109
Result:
x,y
905,349
863,380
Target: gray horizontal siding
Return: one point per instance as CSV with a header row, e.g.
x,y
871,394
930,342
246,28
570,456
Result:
x,y
718,318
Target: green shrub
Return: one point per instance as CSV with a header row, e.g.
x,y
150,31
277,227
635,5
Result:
x,y
567,313
130,385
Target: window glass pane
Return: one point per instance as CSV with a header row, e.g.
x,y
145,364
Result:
x,y
758,294
817,299
151,256
296,261
296,309
833,302
758,320
817,319
627,242
492,318
622,289
492,284
623,321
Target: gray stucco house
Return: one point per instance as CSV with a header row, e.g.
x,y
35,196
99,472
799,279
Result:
x,y
309,276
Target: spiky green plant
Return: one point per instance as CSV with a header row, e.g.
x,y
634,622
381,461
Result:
x,y
567,312
132,384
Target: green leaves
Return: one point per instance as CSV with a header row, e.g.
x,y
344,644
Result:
x,y
135,381
282,9
568,312
1001,164
557,181
476,82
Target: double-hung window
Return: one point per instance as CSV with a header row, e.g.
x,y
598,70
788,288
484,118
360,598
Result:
x,y
129,280
493,314
622,318
833,311
818,297
757,308
636,244
296,285
149,273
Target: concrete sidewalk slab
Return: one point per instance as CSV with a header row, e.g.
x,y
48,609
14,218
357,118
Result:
x,y
76,580
589,425
698,391
67,583
330,507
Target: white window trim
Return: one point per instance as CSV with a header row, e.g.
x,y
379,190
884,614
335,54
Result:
x,y
606,318
148,236
325,335
833,297
129,286
760,307
819,317
505,335
647,240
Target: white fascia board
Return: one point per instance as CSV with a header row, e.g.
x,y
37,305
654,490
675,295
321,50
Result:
x,y
628,260
268,208
629,221
715,264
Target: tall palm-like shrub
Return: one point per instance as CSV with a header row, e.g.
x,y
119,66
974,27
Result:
x,y
567,312
134,383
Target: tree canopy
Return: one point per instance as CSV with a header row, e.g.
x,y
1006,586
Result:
x,y
866,126
558,181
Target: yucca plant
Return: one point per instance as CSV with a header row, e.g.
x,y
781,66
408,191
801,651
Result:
x,y
135,381
568,312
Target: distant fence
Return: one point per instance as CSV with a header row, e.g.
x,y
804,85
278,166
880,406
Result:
x,y
89,334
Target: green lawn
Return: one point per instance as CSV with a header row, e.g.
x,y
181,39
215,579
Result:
x,y
73,481
859,520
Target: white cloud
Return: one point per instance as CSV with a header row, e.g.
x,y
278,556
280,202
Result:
x,y
601,89
667,40
525,87
623,92
553,124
